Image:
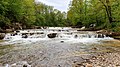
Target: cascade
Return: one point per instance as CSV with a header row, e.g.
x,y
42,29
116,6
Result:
x,y
62,33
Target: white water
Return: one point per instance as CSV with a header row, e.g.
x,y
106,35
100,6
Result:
x,y
48,52
68,35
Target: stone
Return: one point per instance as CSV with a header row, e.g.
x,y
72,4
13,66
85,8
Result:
x,y
24,36
52,35
89,65
9,30
76,36
17,31
2,35
24,65
62,41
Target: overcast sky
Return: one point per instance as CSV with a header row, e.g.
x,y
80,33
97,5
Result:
x,y
61,5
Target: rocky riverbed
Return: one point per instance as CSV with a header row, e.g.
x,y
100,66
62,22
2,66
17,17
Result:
x,y
60,52
56,54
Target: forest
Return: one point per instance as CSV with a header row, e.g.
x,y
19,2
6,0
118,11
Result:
x,y
28,13
95,14
36,33
100,14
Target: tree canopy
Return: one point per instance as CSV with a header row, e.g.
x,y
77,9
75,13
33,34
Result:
x,y
101,13
28,13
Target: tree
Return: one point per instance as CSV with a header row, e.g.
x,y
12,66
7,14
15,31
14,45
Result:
x,y
103,14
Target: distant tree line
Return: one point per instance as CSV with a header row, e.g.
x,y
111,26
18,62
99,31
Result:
x,y
98,14
29,13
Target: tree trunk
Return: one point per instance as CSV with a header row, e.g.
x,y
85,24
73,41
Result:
x,y
108,9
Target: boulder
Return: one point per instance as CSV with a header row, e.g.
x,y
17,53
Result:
x,y
108,33
52,35
2,35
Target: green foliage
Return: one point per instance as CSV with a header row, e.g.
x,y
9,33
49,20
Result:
x,y
29,13
103,13
48,16
4,21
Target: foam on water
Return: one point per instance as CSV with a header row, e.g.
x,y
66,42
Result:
x,y
65,28
88,40
67,36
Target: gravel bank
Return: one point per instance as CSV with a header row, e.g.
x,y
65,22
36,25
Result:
x,y
54,53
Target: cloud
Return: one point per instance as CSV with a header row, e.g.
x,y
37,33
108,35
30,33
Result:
x,y
61,5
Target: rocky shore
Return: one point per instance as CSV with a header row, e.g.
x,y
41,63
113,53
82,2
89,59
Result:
x,y
106,58
100,60
53,53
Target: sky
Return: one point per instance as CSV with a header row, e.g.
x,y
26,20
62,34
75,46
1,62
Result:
x,y
61,5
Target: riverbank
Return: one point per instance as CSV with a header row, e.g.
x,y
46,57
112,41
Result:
x,y
70,48
103,58
53,53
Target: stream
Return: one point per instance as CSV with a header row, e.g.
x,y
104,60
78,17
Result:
x,y
70,48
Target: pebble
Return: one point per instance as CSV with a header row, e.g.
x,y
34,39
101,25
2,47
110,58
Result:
x,y
89,65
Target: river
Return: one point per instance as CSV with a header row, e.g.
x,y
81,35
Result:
x,y
70,48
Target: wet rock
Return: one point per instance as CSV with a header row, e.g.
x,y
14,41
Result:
x,y
24,65
14,34
25,36
2,35
67,30
44,27
59,30
59,66
62,41
42,33
75,36
94,48
108,33
31,33
100,36
17,31
52,35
